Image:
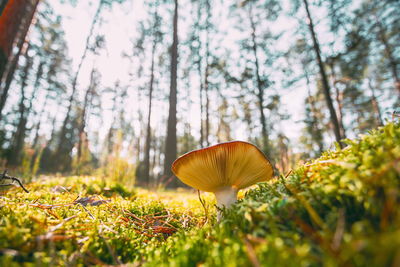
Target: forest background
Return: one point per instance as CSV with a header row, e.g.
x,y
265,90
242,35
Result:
x,y
121,88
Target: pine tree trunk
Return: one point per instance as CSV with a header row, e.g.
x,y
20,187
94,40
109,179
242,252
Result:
x,y
86,104
13,30
139,139
36,86
375,105
260,87
19,136
200,73
314,112
171,140
37,128
324,79
201,109
339,102
207,107
207,74
146,163
11,20
109,143
389,54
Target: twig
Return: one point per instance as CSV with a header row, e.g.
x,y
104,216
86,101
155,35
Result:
x,y
87,211
14,179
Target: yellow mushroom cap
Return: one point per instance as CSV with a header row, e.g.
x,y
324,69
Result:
x,y
233,164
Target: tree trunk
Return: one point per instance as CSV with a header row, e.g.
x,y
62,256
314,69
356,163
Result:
x,y
260,87
339,101
200,73
19,136
375,105
324,79
207,107
11,23
53,123
201,108
171,140
110,134
139,139
314,112
37,128
74,82
389,54
36,86
10,26
207,73
86,104
146,162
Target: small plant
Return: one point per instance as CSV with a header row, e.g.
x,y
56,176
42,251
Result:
x,y
117,168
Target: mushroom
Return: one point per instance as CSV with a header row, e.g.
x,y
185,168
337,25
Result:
x,y
223,169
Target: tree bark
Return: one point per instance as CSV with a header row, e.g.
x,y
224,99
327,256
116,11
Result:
x,y
19,136
86,104
314,112
10,26
207,107
171,140
260,86
324,79
109,139
207,73
146,162
375,105
339,101
389,54
8,33
200,73
36,86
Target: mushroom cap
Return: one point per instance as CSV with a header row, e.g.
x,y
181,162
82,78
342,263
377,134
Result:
x,y
235,164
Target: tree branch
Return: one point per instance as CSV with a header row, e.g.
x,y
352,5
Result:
x,y
4,176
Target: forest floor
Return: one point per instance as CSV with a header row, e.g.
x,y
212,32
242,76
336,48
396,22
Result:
x,y
338,210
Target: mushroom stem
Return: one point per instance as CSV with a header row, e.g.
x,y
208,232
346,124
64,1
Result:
x,y
226,196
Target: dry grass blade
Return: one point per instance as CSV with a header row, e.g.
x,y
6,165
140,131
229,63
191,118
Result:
x,y
251,253
203,203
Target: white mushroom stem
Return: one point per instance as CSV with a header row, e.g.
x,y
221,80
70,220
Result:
x,y
226,196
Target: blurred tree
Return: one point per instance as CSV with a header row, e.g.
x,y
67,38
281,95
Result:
x,y
61,149
254,17
85,110
156,37
20,133
322,71
90,43
196,45
171,139
15,20
52,68
313,136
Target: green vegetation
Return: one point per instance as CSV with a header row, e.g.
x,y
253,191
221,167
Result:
x,y
339,210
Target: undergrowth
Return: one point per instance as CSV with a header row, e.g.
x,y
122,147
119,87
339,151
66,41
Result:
x,y
338,210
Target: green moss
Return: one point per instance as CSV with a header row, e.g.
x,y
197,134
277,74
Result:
x,y
338,210
341,209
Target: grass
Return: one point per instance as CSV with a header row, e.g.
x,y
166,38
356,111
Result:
x,y
338,210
